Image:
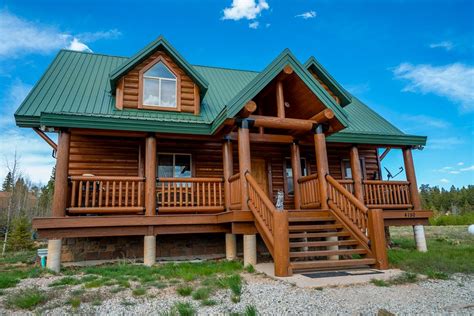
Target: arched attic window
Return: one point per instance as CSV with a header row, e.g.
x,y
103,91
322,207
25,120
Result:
x,y
160,87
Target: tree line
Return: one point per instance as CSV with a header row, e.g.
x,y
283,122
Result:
x,y
455,201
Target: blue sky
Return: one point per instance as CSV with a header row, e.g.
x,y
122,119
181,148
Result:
x,y
411,61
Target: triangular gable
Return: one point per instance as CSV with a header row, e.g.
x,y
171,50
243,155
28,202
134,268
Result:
x,y
313,65
159,43
270,72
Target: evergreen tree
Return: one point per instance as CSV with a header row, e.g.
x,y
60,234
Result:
x,y
20,236
8,182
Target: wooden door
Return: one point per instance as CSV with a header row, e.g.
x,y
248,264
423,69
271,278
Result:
x,y
259,172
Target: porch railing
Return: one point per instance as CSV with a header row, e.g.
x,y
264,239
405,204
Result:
x,y
235,192
195,195
309,191
387,194
347,184
106,195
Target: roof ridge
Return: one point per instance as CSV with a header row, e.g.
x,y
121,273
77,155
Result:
x,y
226,68
90,53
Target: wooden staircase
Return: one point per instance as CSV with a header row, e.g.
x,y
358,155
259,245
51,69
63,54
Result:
x,y
319,241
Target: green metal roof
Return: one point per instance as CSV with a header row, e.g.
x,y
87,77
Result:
x,y
75,91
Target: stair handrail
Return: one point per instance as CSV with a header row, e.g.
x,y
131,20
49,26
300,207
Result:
x,y
272,224
352,211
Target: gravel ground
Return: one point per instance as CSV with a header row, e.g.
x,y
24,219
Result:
x,y
271,297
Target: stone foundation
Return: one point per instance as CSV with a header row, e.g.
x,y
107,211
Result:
x,y
168,247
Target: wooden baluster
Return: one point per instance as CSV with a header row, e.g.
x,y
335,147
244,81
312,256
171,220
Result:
x,y
73,193
113,194
79,202
203,186
100,193
192,194
107,194
126,193
120,194
181,194
140,193
133,193
198,191
175,201
94,184
215,193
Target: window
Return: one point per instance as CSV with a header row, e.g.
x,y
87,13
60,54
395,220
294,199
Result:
x,y
159,87
174,166
289,174
347,171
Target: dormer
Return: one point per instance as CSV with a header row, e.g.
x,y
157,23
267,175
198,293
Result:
x,y
157,78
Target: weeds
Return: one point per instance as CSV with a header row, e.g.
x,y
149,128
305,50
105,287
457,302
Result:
x,y
201,293
139,291
25,299
250,310
184,290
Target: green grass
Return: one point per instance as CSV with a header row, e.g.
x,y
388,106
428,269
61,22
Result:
x,y
378,282
185,290
404,278
139,291
208,302
11,276
201,293
65,281
25,299
250,268
184,309
452,220
75,302
444,257
250,310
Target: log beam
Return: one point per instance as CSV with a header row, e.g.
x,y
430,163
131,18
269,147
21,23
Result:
x,y
280,99
385,153
227,160
248,109
356,174
282,123
150,175
323,116
61,181
244,159
321,164
296,170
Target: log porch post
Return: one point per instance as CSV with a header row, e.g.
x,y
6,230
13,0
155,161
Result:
x,y
244,159
228,166
418,230
296,170
150,175
60,197
280,100
377,238
321,164
356,174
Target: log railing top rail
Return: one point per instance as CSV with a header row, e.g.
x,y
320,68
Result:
x,y
182,180
106,178
234,177
261,207
352,199
308,178
384,182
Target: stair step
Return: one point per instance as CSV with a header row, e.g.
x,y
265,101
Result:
x,y
308,213
299,228
318,264
349,242
316,235
310,219
325,253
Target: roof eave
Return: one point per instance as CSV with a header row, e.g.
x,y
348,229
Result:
x,y
378,139
343,95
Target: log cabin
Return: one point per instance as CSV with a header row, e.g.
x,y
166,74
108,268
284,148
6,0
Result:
x,y
158,158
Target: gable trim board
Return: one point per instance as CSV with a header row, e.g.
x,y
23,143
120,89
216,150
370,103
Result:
x,y
75,92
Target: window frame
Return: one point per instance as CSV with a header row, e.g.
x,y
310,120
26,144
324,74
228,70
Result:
x,y
362,168
141,86
285,177
174,162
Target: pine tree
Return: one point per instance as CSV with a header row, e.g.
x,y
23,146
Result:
x,y
8,182
20,236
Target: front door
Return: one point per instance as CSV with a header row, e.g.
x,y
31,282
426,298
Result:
x,y
259,172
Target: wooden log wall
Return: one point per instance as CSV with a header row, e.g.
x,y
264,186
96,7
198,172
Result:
x,y
188,91
103,155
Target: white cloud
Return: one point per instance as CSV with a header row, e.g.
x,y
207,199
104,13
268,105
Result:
x,y
426,121
454,81
444,180
470,168
455,172
307,15
77,45
447,45
245,9
357,88
461,163
19,36
444,143
254,25
14,95
267,25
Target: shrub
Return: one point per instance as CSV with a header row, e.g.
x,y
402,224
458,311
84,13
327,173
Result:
x,y
20,236
450,220
250,310
201,293
25,299
139,291
184,309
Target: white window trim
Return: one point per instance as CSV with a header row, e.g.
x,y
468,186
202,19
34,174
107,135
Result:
x,y
145,77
